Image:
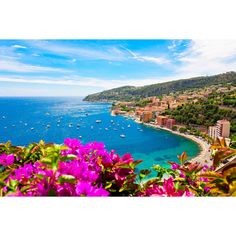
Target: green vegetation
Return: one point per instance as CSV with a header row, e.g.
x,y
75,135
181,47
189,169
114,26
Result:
x,y
203,113
127,109
142,103
131,93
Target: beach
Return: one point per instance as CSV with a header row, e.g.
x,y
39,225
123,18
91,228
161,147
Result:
x,y
203,157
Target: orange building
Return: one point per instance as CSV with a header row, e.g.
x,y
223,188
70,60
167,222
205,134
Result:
x,y
161,120
170,123
146,116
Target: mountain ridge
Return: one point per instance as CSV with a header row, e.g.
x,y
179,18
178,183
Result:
x,y
128,93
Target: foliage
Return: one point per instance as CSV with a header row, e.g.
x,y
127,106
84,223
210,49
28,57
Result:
x,y
221,151
74,169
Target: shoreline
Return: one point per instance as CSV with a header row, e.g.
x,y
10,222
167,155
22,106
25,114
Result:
x,y
203,156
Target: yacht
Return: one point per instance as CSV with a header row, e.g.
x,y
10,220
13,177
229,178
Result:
x,y
122,136
98,121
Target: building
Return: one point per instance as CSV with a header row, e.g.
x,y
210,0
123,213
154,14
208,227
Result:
x,y
146,116
212,132
161,120
170,123
223,128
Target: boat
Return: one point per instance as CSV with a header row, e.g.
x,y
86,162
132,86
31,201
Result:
x,y
128,126
26,124
3,117
78,125
32,128
106,128
98,121
48,126
80,136
122,136
122,128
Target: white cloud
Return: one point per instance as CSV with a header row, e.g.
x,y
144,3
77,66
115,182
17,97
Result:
x,y
35,55
207,57
19,46
156,60
13,65
110,53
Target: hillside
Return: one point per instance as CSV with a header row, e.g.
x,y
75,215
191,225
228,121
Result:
x,y
128,93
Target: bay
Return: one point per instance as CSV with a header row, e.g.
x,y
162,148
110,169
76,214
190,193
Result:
x,y
30,119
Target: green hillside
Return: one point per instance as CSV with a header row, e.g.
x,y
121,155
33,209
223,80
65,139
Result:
x,y
128,93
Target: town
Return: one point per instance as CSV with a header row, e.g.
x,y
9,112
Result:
x,y
151,110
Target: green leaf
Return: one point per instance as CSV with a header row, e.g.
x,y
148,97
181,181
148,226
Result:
x,y
68,157
108,185
13,183
144,173
67,179
46,160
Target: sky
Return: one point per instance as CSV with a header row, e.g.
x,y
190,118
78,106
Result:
x,y
82,67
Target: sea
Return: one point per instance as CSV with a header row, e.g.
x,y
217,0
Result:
x,y
29,119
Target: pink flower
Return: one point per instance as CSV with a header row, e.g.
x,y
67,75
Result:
x,y
86,189
6,160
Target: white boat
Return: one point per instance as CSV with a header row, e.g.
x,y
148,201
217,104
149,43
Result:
x,y
26,124
122,136
48,126
98,121
32,128
80,136
106,128
128,126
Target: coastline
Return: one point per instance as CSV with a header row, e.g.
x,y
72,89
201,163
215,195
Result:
x,y
204,155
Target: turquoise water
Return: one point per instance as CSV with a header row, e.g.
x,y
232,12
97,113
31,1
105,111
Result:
x,y
25,120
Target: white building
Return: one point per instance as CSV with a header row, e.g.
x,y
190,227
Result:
x,y
212,132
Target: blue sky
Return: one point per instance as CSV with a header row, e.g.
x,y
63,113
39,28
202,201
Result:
x,y
81,67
